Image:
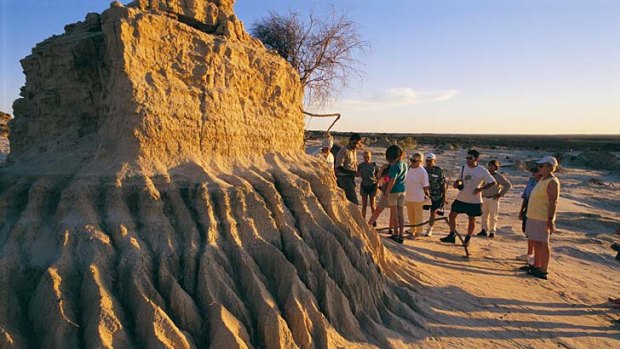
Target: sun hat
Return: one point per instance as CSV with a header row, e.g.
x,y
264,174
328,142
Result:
x,y
327,143
416,155
548,160
430,156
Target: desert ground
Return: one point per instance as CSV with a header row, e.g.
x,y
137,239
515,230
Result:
x,y
157,196
485,301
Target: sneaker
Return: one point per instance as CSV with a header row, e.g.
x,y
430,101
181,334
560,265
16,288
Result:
x,y
389,231
449,238
429,231
492,235
615,246
466,242
527,267
374,224
524,257
537,273
482,233
530,260
397,238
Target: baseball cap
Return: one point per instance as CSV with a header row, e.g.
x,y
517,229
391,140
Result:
x,y
548,160
430,156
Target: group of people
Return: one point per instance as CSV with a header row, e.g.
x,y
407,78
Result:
x,y
418,187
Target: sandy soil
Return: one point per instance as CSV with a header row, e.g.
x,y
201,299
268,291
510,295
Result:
x,y
483,301
486,301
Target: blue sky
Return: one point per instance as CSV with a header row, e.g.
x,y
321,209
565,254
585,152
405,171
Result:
x,y
453,66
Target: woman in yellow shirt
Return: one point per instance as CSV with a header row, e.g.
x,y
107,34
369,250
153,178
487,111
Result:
x,y
541,210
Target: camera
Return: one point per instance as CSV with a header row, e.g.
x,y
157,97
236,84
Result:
x,y
459,184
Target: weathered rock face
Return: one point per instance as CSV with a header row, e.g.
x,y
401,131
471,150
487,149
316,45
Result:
x,y
160,198
4,132
4,127
130,85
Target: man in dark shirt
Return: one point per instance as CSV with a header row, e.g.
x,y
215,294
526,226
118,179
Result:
x,y
437,190
346,167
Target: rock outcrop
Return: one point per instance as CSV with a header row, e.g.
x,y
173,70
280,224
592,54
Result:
x,y
4,132
4,124
158,197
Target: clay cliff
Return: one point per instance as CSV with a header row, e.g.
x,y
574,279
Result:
x,y
4,126
122,88
159,197
4,132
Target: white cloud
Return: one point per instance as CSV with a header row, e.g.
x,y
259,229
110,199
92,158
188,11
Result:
x,y
393,98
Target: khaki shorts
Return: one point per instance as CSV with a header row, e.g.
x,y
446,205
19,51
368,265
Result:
x,y
537,230
383,201
397,199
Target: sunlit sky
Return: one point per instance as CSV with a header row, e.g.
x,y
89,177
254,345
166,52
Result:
x,y
453,66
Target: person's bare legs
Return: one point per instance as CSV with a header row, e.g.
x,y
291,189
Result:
x,y
375,215
471,226
371,203
394,219
401,220
452,221
530,247
545,255
431,219
364,205
537,254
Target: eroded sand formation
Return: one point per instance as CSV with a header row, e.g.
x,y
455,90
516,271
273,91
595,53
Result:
x,y
159,197
4,126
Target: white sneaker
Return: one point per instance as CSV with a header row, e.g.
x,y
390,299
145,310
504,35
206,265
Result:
x,y
429,232
530,260
524,257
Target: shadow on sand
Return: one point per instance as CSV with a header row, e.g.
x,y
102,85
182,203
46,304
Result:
x,y
452,312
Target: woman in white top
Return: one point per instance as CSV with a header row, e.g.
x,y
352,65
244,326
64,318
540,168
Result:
x,y
416,191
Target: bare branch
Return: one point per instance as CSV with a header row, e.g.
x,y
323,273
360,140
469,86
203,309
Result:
x,y
322,52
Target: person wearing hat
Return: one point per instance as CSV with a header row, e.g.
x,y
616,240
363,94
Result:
x,y
531,183
541,211
491,198
325,152
437,189
346,167
473,180
416,191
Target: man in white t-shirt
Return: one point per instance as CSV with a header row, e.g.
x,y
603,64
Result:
x,y
472,181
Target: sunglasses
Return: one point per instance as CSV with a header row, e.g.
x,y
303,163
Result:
x,y
414,160
469,157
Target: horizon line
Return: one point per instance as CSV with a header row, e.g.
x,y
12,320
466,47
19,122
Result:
x,y
474,134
